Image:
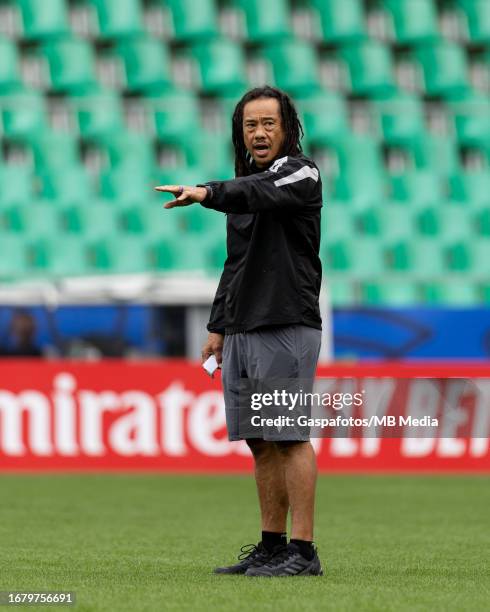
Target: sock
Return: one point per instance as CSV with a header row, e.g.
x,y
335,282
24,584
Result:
x,y
306,549
271,539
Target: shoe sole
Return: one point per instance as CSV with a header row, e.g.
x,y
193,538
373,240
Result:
x,y
304,573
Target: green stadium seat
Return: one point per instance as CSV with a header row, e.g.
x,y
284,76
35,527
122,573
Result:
x,y
370,66
126,185
414,21
71,65
100,115
199,220
437,153
55,150
190,253
388,221
61,256
471,188
418,188
471,113
478,254
211,154
390,293
478,19
147,65
14,263
221,66
118,19
71,186
176,116
325,117
34,220
444,68
23,114
360,189
44,19
401,118
448,222
360,154
162,254
482,222
341,20
91,220
361,258
295,66
337,223
192,24
266,21
422,258
451,293
151,220
216,255
17,186
121,255
341,292
128,148
9,66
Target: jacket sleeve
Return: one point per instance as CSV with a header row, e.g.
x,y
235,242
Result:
x,y
217,317
290,182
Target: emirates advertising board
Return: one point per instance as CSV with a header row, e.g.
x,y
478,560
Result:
x,y
169,416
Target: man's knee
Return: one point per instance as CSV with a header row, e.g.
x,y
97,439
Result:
x,y
260,448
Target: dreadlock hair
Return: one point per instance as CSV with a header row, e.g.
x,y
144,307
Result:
x,y
292,127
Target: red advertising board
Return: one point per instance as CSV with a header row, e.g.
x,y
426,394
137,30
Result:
x,y
168,416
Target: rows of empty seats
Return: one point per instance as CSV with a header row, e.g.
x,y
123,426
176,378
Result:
x,y
100,100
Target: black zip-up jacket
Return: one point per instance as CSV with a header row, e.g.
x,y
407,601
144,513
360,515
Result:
x,y
272,274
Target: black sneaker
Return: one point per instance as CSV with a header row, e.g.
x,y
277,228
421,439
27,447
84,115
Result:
x,y
250,556
288,562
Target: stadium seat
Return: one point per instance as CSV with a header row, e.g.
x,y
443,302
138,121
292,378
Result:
x,y
147,65
390,293
482,222
176,116
341,20
439,154
91,220
295,66
150,220
221,66
266,21
128,148
370,66
325,117
360,189
17,186
121,255
23,114
14,263
55,150
386,221
444,68
192,24
421,258
70,186
448,222
360,154
71,65
414,21
478,19
401,118
452,293
44,19
100,114
337,223
418,188
341,292
215,255
361,258
127,185
471,112
34,219
9,66
61,256
118,19
471,188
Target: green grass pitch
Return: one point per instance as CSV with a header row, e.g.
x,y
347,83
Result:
x,y
149,542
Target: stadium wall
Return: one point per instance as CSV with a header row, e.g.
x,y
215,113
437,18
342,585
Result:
x,y
168,416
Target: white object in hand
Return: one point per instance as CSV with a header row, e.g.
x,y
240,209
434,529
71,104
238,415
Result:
x,y
210,365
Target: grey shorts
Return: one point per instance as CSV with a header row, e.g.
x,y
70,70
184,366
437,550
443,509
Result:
x,y
261,362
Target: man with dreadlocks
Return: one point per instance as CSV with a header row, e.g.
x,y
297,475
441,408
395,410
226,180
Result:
x,y
265,322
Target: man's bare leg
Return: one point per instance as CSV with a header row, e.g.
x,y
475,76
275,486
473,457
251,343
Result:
x,y
299,464
271,485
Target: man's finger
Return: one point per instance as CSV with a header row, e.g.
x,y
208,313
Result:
x,y
168,188
180,201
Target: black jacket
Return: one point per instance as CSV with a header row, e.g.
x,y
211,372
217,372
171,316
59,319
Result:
x,y
272,274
